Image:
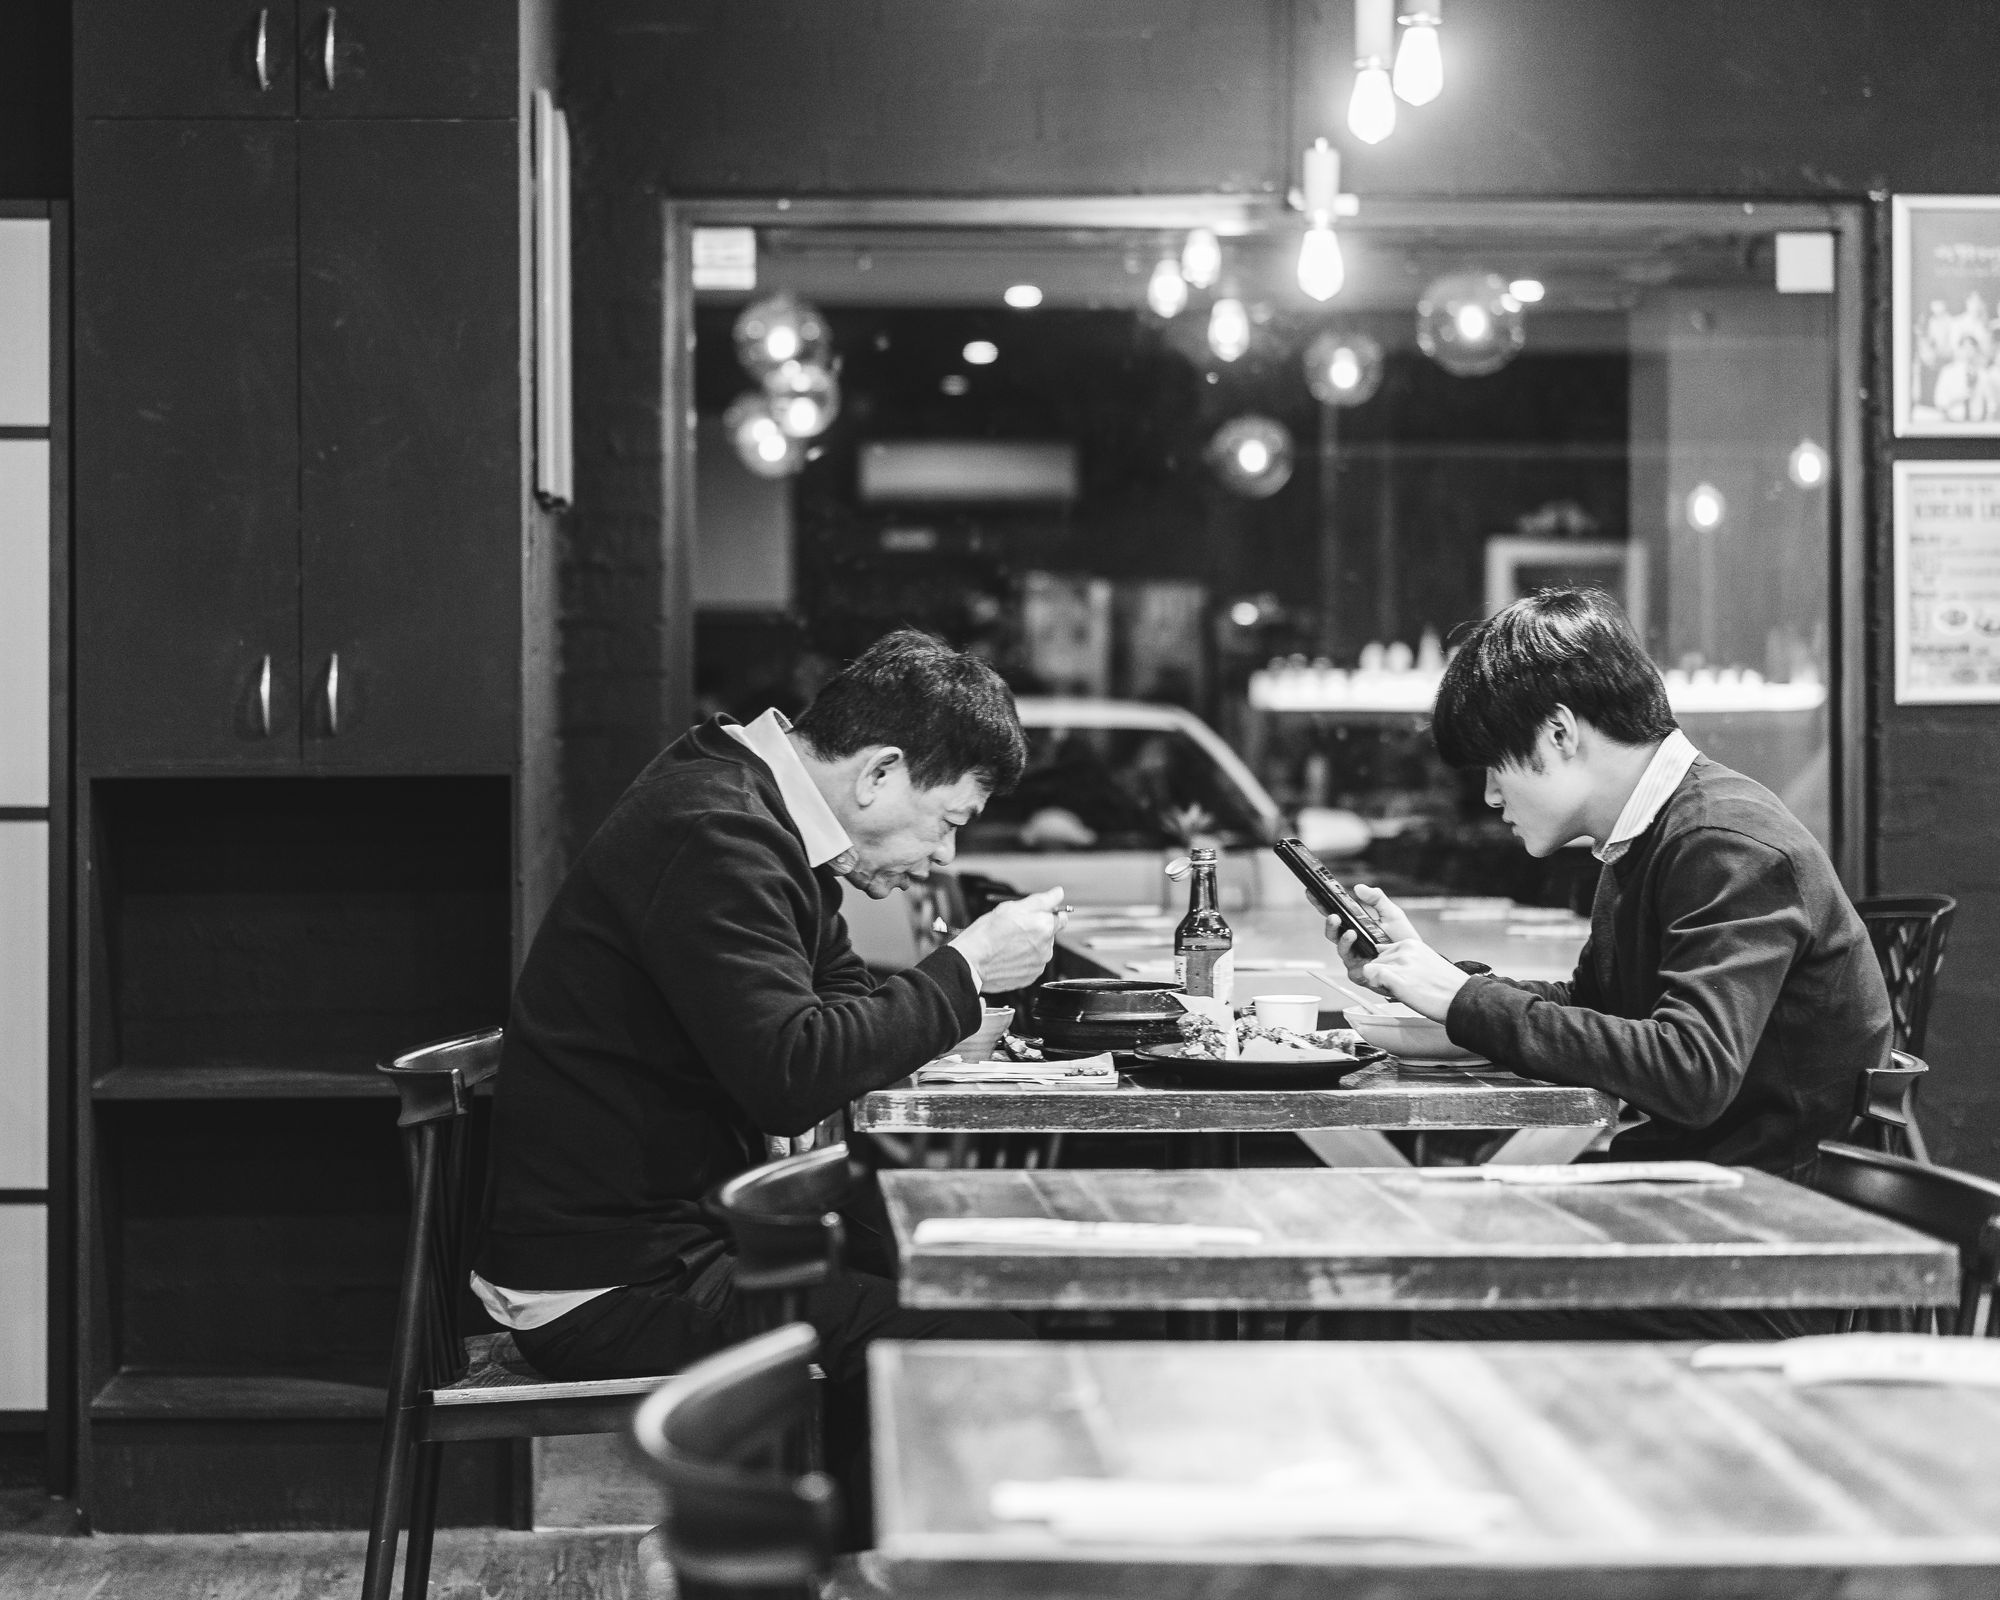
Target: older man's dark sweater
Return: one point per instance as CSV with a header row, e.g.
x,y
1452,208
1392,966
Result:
x,y
691,990
1728,989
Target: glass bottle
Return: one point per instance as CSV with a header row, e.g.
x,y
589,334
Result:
x,y
1203,945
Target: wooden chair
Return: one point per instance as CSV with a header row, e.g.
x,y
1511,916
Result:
x,y
1957,1207
740,1524
442,1388
788,1234
1909,933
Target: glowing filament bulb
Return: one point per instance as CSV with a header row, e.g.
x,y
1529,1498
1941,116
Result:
x,y
1807,465
1321,270
1228,329
1371,111
1201,258
1167,290
1253,456
1474,325
1419,63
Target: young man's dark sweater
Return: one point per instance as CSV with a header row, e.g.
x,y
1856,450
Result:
x,y
1728,989
690,991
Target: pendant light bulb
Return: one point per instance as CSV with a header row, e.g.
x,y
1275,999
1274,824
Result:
x,y
1321,270
1201,258
1419,75
1228,329
1167,290
1371,111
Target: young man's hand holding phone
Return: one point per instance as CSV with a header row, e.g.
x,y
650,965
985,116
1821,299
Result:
x,y
1406,968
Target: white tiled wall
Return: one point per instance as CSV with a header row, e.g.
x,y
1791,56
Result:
x,y
24,782
24,1313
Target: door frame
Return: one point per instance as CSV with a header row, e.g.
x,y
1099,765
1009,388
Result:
x,y
1232,215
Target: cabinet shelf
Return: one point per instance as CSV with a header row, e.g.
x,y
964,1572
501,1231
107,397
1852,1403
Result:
x,y
140,1396
241,1082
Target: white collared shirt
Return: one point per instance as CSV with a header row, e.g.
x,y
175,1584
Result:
x,y
1656,784
819,829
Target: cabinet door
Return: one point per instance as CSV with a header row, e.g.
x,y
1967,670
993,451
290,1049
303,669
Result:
x,y
412,472
186,449
186,58
395,58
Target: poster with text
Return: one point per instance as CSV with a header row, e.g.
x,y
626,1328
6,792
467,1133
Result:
x,y
1946,259
1947,581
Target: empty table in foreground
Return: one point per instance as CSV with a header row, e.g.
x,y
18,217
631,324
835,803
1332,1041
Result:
x,y
1510,1472
1407,1240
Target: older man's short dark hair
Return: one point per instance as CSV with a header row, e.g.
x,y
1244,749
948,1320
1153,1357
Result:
x,y
1570,647
948,712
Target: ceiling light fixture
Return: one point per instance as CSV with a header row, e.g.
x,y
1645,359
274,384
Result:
x,y
1167,290
1343,369
1321,269
1469,323
981,353
1807,465
1252,455
762,444
1201,257
1023,296
779,329
1371,107
1228,328
804,399
1706,508
1419,75
1528,291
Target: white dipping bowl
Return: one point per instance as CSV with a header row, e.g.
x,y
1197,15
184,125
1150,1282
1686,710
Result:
x,y
1408,1035
1299,1012
978,1045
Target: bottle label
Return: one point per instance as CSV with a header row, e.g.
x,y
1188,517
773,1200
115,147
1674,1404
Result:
x,y
1207,972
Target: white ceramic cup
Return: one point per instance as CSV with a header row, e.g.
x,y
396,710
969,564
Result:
x,y
1299,1012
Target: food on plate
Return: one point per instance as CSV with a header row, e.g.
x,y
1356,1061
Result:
x,y
1257,1042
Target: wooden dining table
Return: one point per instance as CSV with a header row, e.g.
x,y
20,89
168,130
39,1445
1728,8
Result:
x,y
1409,1239
1525,1471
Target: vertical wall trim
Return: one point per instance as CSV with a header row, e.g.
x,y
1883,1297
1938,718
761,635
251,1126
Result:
x,y
1851,756
677,468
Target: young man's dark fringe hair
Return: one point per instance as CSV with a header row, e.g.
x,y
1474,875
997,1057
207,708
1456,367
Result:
x,y
1569,647
948,712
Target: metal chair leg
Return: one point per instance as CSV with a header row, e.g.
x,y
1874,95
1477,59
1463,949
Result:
x,y
392,1487
423,1520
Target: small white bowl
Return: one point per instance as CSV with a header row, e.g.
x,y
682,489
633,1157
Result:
x,y
1409,1036
978,1045
1299,1012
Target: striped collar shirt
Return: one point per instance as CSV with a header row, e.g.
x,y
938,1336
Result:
x,y
1661,778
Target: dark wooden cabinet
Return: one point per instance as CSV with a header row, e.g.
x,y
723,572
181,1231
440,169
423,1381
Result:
x,y
186,58
399,58
186,286
411,475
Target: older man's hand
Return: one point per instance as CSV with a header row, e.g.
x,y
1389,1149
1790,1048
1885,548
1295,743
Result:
x,y
1009,946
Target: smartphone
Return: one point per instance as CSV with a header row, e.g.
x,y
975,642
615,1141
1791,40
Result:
x,y
1330,895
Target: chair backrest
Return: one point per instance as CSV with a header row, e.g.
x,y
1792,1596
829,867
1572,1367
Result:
x,y
435,1083
1882,1090
738,1521
781,1216
1909,932
1957,1207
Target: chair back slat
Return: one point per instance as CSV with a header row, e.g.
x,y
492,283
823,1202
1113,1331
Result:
x,y
1909,933
434,1083
1960,1208
737,1524
782,1218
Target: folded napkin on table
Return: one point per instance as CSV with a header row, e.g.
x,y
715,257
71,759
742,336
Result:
x,y
1595,1172
1105,1510
1864,1358
1071,1235
1088,1072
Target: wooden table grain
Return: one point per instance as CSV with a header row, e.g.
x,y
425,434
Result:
x,y
1385,1095
1401,1240
1630,1475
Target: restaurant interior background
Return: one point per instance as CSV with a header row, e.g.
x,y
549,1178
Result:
x,y
1735,122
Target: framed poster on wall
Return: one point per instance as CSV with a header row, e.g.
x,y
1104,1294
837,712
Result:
x,y
1945,255
1947,619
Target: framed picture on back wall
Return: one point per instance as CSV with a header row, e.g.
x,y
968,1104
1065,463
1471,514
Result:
x,y
1945,255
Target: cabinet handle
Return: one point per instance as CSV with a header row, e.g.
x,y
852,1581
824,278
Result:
x,y
333,693
264,698
263,52
326,48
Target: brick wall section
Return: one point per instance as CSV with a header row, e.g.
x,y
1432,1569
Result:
x,y
1789,98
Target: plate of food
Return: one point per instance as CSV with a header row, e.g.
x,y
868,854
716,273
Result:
x,y
1266,1058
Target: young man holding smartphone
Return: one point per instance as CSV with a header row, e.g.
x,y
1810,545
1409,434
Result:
x,y
1727,991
